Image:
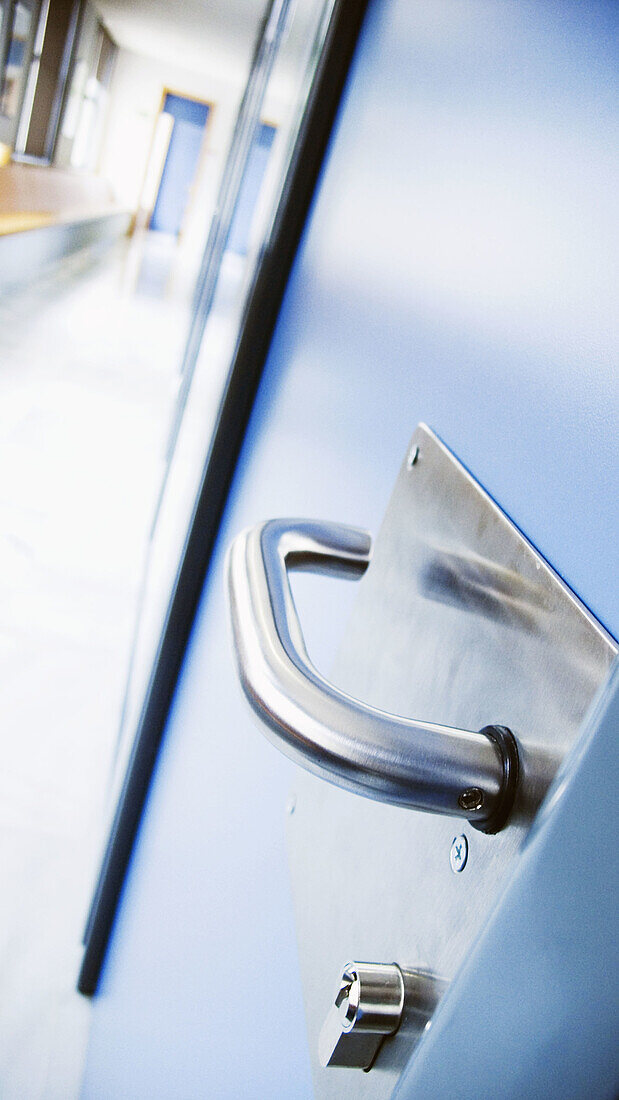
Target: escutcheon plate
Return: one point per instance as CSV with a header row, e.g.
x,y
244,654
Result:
x,y
458,620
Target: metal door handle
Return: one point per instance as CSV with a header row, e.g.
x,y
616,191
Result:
x,y
382,756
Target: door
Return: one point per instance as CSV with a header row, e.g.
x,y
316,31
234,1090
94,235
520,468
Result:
x,y
456,269
181,161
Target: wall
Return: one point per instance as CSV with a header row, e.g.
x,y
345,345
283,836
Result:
x,y
135,101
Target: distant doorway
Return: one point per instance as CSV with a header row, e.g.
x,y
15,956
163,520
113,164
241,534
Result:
x,y
189,119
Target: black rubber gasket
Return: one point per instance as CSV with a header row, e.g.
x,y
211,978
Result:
x,y
508,747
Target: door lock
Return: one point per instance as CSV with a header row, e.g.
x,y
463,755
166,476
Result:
x,y
371,1003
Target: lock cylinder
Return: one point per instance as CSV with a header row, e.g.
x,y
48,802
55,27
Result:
x,y
369,1006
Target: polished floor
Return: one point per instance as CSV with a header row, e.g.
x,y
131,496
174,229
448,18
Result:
x,y
89,358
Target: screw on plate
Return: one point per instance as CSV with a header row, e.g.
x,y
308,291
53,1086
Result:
x,y
413,456
459,853
471,799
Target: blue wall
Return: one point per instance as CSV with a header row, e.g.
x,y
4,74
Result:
x,y
457,268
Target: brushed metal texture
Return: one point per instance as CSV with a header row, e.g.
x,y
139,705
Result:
x,y
460,620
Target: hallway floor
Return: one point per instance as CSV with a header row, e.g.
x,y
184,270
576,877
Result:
x,y
89,358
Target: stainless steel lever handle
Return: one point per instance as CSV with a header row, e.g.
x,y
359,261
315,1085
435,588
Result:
x,y
382,756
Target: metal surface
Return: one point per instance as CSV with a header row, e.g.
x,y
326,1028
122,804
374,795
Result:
x,y
367,1006
534,1010
372,1002
460,618
358,747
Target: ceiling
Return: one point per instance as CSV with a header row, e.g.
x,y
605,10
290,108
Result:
x,y
213,35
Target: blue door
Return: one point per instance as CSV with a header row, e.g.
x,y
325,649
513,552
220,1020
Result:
x,y
456,268
181,162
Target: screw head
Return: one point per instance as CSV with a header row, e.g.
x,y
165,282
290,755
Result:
x,y
413,456
459,853
471,799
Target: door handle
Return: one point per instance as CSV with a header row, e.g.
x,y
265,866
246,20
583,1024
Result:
x,y
419,764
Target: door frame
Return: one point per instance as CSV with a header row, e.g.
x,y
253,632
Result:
x,y
257,327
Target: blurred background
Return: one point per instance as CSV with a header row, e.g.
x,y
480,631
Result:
x,y
143,149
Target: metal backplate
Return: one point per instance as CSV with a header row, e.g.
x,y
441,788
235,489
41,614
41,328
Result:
x,y
460,621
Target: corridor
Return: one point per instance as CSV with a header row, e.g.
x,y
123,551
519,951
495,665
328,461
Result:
x,y
89,359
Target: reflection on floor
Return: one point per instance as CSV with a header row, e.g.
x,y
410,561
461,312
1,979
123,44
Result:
x,y
89,358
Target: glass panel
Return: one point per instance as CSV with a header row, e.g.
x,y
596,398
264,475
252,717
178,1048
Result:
x,y
16,60
266,131
89,375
